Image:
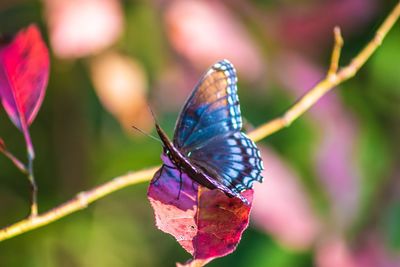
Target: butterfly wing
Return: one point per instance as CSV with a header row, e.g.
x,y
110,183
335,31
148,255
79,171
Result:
x,y
208,132
231,159
211,110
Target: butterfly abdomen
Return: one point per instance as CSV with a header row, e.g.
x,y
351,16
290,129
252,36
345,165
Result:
x,y
182,162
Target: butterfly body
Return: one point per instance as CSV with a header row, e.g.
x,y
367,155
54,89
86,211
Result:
x,y
182,162
208,144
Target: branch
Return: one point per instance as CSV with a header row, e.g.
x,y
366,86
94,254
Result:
x,y
333,78
80,201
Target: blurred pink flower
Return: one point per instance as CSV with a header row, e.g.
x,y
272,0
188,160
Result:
x,y
206,31
369,252
121,84
334,252
83,27
281,206
335,155
374,253
305,27
175,81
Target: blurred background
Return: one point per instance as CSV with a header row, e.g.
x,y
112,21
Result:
x,y
331,194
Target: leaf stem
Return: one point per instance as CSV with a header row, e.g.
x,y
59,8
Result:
x,y
31,178
14,160
334,77
33,186
25,170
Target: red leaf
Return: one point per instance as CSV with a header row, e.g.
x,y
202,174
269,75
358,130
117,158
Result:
x,y
24,72
193,263
206,223
2,145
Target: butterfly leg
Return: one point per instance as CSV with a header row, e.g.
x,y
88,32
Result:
x,y
160,172
194,188
180,184
159,175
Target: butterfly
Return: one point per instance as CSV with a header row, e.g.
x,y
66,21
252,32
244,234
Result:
x,y
208,144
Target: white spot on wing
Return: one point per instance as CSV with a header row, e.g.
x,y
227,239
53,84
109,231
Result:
x,y
232,142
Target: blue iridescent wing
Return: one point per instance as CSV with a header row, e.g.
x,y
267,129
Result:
x,y
232,159
208,132
212,109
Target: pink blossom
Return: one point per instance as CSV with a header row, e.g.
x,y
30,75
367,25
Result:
x,y
281,206
334,157
121,84
83,27
205,31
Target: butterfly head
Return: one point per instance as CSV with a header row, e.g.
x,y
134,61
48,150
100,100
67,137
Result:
x,y
166,142
166,151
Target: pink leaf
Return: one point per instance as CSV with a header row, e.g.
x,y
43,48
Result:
x,y
206,223
24,72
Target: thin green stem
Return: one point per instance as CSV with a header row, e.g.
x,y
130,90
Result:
x,y
34,188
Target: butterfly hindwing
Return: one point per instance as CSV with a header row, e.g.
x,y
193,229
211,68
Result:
x,y
232,159
212,109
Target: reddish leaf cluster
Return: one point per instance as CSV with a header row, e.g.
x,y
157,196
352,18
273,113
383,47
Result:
x,y
24,72
206,223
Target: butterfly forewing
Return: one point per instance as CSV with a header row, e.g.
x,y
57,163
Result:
x,y
208,132
211,110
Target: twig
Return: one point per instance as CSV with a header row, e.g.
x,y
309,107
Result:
x,y
333,78
337,49
28,171
14,160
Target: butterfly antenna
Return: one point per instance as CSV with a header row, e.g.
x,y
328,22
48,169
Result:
x,y
146,134
152,114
